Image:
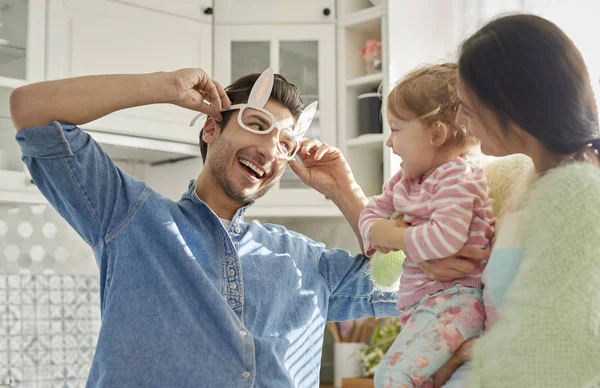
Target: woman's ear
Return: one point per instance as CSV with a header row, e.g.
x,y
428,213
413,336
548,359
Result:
x,y
438,134
210,131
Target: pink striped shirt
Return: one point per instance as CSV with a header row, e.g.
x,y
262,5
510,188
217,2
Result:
x,y
447,211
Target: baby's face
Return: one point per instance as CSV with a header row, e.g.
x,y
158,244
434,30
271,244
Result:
x,y
411,141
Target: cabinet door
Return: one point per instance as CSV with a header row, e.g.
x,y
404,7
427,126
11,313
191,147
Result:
x,y
274,11
22,29
99,37
192,9
304,54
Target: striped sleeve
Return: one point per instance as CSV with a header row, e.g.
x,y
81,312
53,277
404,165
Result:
x,y
380,206
456,192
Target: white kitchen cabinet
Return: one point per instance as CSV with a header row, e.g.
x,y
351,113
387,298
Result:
x,y
22,32
274,11
128,36
200,10
305,55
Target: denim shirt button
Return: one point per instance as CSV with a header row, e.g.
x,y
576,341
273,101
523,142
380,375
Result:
x,y
230,259
231,272
246,374
243,333
232,286
237,229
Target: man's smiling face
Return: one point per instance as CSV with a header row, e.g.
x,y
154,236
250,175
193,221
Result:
x,y
246,165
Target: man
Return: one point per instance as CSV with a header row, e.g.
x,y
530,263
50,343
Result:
x,y
190,294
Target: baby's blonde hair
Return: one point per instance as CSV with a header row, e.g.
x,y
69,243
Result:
x,y
428,93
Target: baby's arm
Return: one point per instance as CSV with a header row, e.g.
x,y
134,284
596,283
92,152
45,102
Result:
x,y
379,207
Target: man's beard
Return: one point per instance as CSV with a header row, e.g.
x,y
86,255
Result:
x,y
217,165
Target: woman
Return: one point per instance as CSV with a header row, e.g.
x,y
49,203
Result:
x,y
524,89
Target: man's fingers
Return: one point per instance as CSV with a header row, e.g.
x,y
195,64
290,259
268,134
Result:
x,y
323,149
225,101
210,93
308,144
300,170
210,110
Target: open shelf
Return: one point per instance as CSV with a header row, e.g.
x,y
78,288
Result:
x,y
362,19
12,83
12,65
10,53
373,80
356,9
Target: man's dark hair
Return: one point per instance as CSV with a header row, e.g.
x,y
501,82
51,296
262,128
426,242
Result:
x,y
284,93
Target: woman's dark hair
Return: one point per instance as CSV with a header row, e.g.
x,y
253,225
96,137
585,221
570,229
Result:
x,y
526,70
284,93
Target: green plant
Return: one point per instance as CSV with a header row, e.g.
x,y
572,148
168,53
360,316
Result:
x,y
378,344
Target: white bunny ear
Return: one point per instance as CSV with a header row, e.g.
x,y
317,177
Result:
x,y
261,91
199,115
306,118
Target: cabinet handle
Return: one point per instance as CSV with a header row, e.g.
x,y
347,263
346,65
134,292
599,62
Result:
x,y
326,11
208,11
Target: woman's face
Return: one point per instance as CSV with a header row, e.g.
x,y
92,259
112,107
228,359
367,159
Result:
x,y
481,122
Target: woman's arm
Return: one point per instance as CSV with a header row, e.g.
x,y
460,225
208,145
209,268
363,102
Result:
x,y
547,334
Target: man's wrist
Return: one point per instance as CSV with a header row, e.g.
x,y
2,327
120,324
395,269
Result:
x,y
353,194
163,87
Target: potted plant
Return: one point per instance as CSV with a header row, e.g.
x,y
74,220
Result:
x,y
378,344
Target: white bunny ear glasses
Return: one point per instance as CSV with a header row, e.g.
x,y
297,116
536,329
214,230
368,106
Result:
x,y
255,119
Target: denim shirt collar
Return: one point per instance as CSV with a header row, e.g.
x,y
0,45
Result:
x,y
192,195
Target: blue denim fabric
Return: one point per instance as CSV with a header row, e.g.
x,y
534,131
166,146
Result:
x,y
186,303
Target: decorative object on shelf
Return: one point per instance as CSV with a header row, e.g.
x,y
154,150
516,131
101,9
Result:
x,y
369,113
349,338
378,344
371,54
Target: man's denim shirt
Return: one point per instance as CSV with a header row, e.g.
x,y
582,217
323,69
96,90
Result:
x,y
186,303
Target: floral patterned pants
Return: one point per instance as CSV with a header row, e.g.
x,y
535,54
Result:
x,y
432,331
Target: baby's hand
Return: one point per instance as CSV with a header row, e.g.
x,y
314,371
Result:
x,y
385,233
385,250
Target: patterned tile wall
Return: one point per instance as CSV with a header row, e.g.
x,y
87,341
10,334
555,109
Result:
x,y
49,325
49,300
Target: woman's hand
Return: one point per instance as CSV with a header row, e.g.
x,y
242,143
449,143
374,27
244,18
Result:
x,y
454,267
462,355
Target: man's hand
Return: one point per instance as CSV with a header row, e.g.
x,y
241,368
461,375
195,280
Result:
x,y
454,267
325,168
197,91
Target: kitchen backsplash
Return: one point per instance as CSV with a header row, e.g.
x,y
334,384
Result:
x,y
49,300
49,294
49,325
